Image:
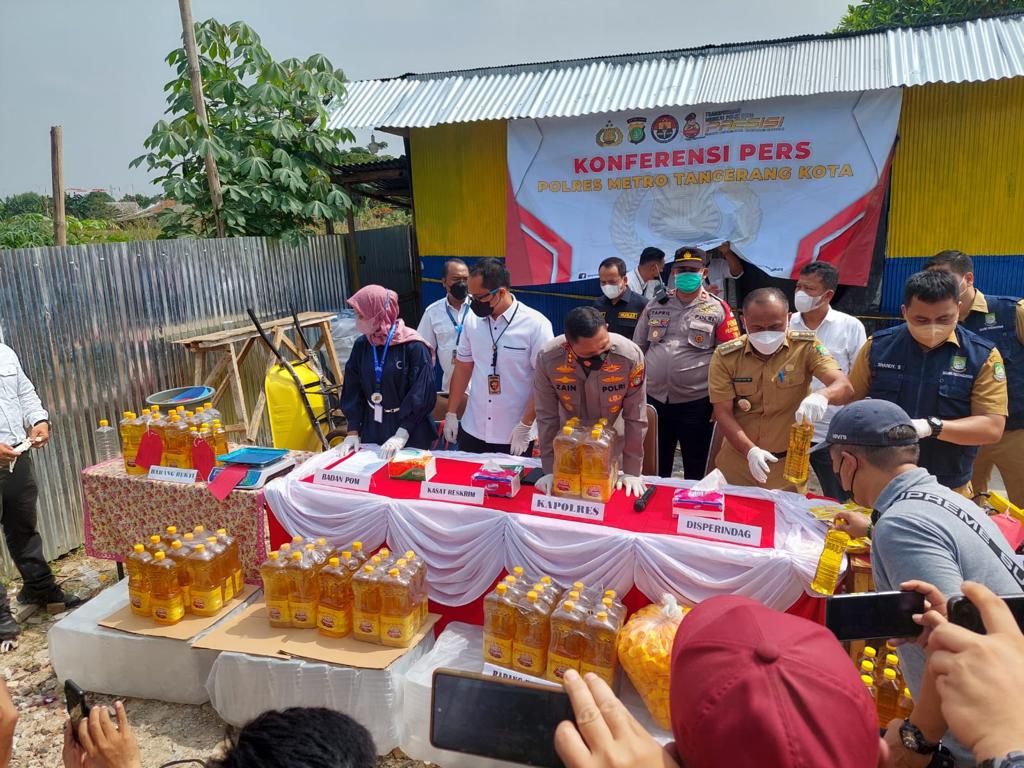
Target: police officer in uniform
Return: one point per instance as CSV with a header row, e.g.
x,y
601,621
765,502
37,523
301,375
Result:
x,y
1001,320
620,304
761,385
678,334
950,380
593,374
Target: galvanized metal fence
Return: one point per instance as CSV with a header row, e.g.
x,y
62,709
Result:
x,y
94,325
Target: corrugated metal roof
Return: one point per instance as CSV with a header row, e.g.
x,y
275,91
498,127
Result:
x,y
983,49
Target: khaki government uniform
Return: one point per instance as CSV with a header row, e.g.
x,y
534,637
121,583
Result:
x,y
562,388
765,395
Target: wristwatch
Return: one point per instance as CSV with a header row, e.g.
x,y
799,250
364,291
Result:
x,y
1012,760
915,741
936,424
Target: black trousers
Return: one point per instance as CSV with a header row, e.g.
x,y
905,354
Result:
x,y
821,463
18,494
471,444
689,426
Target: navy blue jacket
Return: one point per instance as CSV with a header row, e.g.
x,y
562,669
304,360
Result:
x,y
999,325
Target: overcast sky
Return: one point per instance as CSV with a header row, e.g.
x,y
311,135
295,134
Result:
x,y
97,67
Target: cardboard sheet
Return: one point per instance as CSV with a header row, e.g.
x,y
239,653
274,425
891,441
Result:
x,y
250,632
190,626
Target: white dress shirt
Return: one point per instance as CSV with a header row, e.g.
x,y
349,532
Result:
x,y
843,335
438,327
20,407
646,288
523,331
718,273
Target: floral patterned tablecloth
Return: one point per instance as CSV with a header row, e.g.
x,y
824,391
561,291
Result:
x,y
123,509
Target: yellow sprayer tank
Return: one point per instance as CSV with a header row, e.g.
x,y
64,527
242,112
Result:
x,y
289,424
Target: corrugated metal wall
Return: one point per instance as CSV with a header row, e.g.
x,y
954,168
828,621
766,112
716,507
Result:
x,y
93,326
459,177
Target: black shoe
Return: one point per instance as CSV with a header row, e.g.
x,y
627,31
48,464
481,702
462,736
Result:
x,y
49,597
9,628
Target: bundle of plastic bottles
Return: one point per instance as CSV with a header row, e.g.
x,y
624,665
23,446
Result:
x,y
880,671
172,574
177,430
535,627
380,599
585,464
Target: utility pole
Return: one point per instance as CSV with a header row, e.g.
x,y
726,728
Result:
x,y
60,224
188,37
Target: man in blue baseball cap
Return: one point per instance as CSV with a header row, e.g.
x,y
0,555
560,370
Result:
x,y
924,537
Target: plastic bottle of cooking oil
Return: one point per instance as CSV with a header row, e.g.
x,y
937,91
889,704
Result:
x,y
132,430
888,698
596,466
220,439
827,574
499,626
868,668
177,444
566,481
302,599
179,552
171,534
601,638
869,683
892,661
234,559
868,654
530,646
798,454
905,704
357,552
276,590
615,607
566,640
137,566
213,412
366,605
206,591
227,579
156,544
334,609
164,592
398,614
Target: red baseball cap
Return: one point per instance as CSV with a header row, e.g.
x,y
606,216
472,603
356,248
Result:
x,y
755,687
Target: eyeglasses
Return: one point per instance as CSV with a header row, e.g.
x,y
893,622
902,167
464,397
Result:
x,y
483,296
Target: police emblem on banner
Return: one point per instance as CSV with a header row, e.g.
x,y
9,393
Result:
x,y
636,129
609,136
691,128
664,128
959,363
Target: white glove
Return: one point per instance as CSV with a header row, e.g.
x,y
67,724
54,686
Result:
x,y
924,429
451,427
520,438
812,408
757,461
394,444
544,484
349,445
635,486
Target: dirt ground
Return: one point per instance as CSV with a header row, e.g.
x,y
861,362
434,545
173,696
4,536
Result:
x,y
164,731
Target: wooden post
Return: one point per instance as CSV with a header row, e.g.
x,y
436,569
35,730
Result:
x,y
188,37
350,246
60,224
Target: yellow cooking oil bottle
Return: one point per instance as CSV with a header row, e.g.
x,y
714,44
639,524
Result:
x,y
798,455
566,481
398,615
137,566
597,480
357,552
420,591
499,625
206,591
530,646
177,444
615,607
887,700
302,598
156,544
366,604
827,573
179,552
171,534
227,579
132,428
220,440
601,638
276,590
334,607
565,644
234,559
164,591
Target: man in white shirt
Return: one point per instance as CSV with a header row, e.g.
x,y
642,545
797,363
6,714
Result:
x,y
723,272
443,322
646,278
497,355
842,334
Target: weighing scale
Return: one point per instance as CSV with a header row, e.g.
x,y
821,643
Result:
x,y
258,476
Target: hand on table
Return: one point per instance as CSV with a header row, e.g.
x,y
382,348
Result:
x,y
394,444
348,446
757,461
520,438
812,408
635,486
40,434
543,485
451,427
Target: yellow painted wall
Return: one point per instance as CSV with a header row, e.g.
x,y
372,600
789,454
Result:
x,y
459,176
958,175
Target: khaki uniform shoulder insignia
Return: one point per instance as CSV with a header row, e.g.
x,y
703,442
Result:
x,y
802,335
731,346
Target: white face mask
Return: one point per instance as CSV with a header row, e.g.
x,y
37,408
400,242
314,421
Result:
x,y
612,291
767,342
804,302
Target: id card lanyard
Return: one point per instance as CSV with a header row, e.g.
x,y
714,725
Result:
x,y
458,326
494,380
378,374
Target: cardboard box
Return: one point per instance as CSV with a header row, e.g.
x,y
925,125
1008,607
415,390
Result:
x,y
412,464
503,482
710,504
190,626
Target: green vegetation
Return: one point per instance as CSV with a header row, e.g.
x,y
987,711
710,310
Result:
x,y
884,14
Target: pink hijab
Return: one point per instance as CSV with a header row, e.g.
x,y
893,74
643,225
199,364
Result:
x,y
379,308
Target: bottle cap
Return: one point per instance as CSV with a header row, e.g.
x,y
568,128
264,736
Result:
x,y
286,547
867,666
579,586
889,674
208,405
569,605
611,593
367,569
607,602
189,414
869,652
175,419
296,539
222,531
200,547
138,548
384,552
193,429
574,595
154,539
892,659
531,596
518,570
357,546
566,430
890,648
334,562
602,616
501,589
906,692
128,414
104,423
510,579
402,562
273,555
296,556
545,580
188,536
346,555
180,409
321,542
393,573
198,529
172,529
409,554
175,544
866,679
212,539
160,555
310,547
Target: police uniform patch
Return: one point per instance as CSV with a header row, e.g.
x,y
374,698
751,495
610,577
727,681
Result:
x,y
802,335
959,363
990,318
998,372
636,376
615,409
614,398
610,367
629,315
566,379
731,346
565,369
821,349
698,339
611,379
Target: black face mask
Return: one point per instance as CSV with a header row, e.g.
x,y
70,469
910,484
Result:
x,y
594,362
459,291
481,309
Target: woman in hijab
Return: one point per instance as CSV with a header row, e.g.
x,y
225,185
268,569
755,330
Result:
x,y
389,388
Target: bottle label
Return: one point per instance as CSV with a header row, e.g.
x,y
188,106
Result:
x,y
239,582
605,673
333,621
396,630
278,611
207,600
559,664
169,610
303,614
527,659
229,589
366,625
140,601
566,485
497,650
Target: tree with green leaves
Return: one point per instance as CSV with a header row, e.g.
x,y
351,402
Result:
x,y
268,131
92,205
885,14
26,202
